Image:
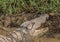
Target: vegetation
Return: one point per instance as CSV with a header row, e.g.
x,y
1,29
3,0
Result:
x,y
35,6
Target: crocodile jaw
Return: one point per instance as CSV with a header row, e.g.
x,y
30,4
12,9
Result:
x,y
40,32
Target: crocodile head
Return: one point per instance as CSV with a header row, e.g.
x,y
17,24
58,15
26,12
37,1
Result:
x,y
40,32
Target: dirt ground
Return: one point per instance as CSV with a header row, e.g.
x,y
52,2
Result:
x,y
44,39
54,30
49,40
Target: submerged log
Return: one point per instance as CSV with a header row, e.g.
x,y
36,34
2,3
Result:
x,y
27,31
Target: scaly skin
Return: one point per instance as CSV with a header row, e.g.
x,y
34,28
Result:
x,y
27,32
20,34
33,24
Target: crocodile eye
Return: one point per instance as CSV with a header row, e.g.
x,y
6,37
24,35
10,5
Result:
x,y
33,23
30,26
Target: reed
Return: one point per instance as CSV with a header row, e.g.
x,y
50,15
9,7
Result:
x,y
36,6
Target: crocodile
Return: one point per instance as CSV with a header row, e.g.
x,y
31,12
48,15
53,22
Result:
x,y
27,31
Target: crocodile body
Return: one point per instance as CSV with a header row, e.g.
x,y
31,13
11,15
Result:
x,y
27,31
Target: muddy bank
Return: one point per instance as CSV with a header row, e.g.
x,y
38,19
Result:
x,y
53,24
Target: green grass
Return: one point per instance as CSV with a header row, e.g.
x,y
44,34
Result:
x,y
36,6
